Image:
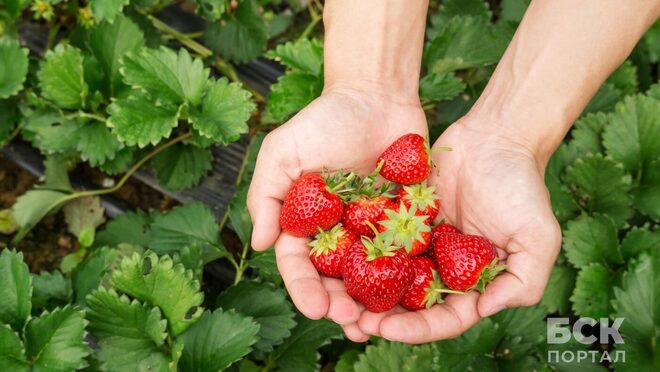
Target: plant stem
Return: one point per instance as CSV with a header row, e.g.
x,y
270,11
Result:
x,y
242,265
11,137
83,114
316,18
131,171
52,33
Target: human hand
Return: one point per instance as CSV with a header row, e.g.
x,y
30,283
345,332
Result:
x,y
491,185
344,129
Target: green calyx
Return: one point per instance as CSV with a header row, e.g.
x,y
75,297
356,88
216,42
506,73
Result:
x,y
350,186
404,227
435,290
421,195
378,246
326,241
488,274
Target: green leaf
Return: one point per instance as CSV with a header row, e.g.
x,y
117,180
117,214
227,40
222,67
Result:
x,y
217,340
638,302
633,133
109,42
240,37
268,306
211,10
157,281
559,289
56,340
12,353
137,120
652,41
8,225
190,257
97,144
9,117
470,350
604,100
302,55
383,357
601,186
591,239
647,194
455,8
440,87
347,360
300,351
561,199
130,227
166,75
15,7
84,214
266,266
185,225
638,240
122,160
34,205
587,133
465,42
224,113
89,274
56,173
61,77
291,93
513,10
107,9
15,291
51,132
239,216
592,294
624,78
13,67
130,335
50,289
182,166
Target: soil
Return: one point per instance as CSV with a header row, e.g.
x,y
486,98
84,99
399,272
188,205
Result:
x,y
49,241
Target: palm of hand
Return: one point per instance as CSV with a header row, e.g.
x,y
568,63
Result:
x,y
493,187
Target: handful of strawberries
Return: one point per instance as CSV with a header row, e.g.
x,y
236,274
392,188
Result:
x,y
379,239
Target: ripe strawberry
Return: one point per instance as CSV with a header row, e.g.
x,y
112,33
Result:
x,y
376,273
329,248
442,228
423,197
311,204
407,160
357,212
425,289
405,229
466,261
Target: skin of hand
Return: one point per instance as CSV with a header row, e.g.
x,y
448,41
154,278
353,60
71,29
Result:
x,y
343,129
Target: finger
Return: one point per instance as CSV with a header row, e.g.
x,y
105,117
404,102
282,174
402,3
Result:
x,y
450,319
300,277
269,186
354,333
370,322
343,309
522,284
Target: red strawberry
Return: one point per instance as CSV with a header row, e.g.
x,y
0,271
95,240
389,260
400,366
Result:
x,y
407,160
442,228
365,209
423,197
406,229
425,289
466,261
376,273
310,205
329,248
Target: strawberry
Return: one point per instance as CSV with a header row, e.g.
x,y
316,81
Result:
x,y
442,228
425,289
407,160
357,212
311,204
376,273
421,196
406,229
466,261
329,248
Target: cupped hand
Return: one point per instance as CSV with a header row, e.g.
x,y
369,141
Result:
x,y
492,185
344,129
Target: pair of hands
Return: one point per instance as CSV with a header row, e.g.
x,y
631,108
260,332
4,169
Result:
x,y
491,184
